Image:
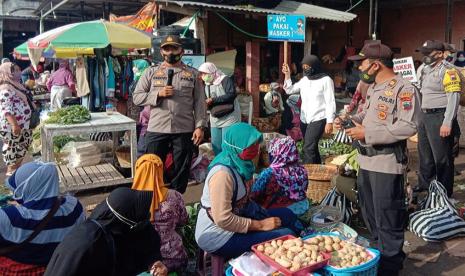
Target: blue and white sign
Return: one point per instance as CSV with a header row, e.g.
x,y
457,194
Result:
x,y
193,61
286,28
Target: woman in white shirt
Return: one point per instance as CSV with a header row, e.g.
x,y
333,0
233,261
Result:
x,y
318,108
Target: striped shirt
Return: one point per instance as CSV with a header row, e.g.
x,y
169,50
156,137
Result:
x,y
18,222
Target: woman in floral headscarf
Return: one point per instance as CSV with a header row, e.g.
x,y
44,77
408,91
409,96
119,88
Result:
x,y
284,183
15,117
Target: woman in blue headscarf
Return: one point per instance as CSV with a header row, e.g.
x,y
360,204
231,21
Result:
x,y
35,188
229,223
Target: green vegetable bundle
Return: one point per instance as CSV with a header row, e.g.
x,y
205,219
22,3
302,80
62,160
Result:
x,y
187,232
60,141
335,148
75,114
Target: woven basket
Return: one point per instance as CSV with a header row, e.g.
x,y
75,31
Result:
x,y
124,156
319,177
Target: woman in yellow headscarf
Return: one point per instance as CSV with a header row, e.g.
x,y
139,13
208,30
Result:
x,y
167,210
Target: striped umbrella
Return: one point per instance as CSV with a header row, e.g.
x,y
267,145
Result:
x,y
81,38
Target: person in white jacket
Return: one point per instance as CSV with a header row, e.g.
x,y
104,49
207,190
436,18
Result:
x,y
318,104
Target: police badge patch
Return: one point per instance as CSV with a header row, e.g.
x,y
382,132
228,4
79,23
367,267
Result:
x,y
406,100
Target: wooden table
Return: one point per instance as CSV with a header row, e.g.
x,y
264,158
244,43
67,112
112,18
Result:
x,y
83,178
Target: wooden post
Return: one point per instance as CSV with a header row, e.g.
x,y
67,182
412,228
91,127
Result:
x,y
285,52
252,75
200,26
308,39
284,57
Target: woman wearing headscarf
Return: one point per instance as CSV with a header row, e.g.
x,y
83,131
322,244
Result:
x,y
229,223
15,117
35,188
117,239
138,68
318,108
61,85
460,62
284,183
167,211
219,90
273,100
136,112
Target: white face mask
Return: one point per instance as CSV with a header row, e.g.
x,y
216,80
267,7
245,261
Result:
x,y
461,59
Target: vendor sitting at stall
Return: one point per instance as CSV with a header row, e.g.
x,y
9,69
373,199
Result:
x,y
229,223
117,239
284,183
167,211
61,85
35,188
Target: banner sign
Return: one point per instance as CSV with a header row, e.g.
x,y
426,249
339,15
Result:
x,y
286,28
406,68
193,61
143,20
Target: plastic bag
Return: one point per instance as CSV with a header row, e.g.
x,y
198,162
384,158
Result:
x,y
88,153
249,264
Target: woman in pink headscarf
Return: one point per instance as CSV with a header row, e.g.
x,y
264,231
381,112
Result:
x,y
61,84
220,91
15,117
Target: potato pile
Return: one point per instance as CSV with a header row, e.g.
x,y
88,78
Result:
x,y
326,244
349,256
293,254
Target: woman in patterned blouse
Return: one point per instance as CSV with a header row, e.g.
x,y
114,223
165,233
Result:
x,y
167,210
15,117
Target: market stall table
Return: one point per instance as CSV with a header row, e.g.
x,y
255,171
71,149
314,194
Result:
x,y
102,175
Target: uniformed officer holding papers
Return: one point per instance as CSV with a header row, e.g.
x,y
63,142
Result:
x,y
381,131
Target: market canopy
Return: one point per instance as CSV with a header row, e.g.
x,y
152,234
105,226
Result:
x,y
82,38
284,7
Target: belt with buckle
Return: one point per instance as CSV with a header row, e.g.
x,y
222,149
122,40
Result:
x,y
433,110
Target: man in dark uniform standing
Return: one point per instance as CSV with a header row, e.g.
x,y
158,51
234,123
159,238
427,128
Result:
x,y
381,131
178,110
440,88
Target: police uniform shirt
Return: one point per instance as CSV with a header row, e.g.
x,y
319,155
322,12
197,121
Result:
x,y
389,116
440,87
182,112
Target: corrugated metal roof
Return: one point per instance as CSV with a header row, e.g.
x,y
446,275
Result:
x,y
221,7
285,7
313,11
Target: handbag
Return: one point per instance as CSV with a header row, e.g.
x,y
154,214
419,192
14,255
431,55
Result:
x,y
35,113
438,219
334,199
347,186
37,230
221,109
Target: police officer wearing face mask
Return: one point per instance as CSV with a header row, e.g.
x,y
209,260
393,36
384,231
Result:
x,y
178,111
381,131
440,87
318,108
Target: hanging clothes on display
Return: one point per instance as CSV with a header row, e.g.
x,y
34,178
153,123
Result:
x,y
110,78
82,84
